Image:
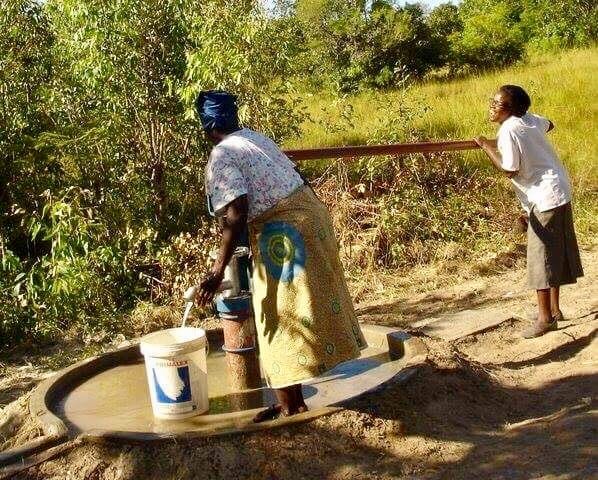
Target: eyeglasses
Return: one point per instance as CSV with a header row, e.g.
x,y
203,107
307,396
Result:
x,y
495,103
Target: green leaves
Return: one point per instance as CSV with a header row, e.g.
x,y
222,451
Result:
x,y
354,45
491,35
104,156
234,46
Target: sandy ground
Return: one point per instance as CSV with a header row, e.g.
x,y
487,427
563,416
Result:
x,y
489,405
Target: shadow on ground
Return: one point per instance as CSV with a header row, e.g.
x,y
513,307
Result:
x,y
403,312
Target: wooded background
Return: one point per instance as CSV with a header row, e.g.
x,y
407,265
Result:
x,y
101,189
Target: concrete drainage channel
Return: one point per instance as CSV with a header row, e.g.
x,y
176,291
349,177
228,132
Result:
x,y
107,397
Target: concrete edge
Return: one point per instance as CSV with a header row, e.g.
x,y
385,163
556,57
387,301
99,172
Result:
x,y
51,388
412,352
398,342
55,430
101,436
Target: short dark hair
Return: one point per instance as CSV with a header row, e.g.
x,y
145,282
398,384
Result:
x,y
518,101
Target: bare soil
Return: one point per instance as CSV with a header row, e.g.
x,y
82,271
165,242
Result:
x,y
490,405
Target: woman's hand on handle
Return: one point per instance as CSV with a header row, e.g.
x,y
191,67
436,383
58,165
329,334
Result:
x,y
489,147
208,287
233,225
485,143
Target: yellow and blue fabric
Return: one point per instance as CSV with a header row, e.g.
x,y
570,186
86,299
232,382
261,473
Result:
x,y
283,250
304,316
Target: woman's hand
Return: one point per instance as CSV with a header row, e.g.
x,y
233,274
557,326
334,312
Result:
x,y
208,287
522,223
483,142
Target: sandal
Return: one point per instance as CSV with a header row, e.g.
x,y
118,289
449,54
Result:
x,y
559,317
539,329
533,316
271,413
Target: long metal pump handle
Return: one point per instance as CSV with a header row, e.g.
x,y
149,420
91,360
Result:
x,y
372,150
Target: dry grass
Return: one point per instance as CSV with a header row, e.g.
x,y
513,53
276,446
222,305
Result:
x,y
16,425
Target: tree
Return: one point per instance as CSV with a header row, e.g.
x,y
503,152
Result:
x,y
235,46
25,73
105,156
560,23
123,122
132,70
25,171
367,43
443,23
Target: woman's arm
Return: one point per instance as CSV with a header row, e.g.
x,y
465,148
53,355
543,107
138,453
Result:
x,y
489,147
233,225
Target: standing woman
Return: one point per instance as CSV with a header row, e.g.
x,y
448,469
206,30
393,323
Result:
x,y
525,155
304,316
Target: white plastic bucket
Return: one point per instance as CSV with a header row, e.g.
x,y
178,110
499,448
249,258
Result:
x,y
177,375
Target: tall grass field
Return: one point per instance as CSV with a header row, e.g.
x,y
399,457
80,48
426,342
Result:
x,y
563,87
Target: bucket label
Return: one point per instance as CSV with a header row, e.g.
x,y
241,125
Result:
x,y
172,384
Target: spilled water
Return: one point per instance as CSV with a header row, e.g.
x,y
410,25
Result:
x,y
188,308
118,399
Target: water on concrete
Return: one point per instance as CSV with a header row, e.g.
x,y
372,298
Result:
x,y
119,399
115,401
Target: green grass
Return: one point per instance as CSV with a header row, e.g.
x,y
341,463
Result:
x,y
563,87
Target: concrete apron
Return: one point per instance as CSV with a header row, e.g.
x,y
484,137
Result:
x,y
107,396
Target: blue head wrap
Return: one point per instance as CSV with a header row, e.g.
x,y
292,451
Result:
x,y
217,109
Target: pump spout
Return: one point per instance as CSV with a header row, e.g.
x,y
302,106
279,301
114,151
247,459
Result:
x,y
191,292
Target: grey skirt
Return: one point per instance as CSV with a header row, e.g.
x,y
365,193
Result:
x,y
552,251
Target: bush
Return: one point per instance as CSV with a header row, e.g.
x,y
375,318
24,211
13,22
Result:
x,y
555,24
82,281
102,199
491,35
354,45
444,22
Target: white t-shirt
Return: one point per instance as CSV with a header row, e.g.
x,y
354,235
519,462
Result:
x,y
542,180
247,162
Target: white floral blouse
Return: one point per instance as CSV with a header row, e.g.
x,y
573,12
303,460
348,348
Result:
x,y
247,162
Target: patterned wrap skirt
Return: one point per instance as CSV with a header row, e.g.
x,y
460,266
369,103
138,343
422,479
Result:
x,y
304,316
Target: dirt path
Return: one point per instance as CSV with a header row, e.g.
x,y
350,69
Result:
x,y
489,405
